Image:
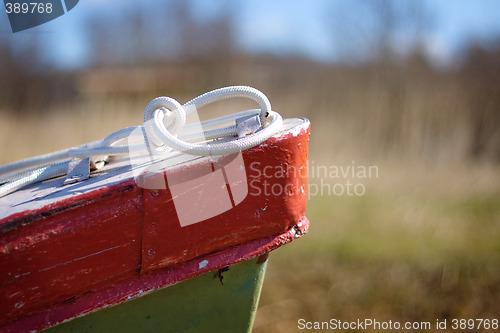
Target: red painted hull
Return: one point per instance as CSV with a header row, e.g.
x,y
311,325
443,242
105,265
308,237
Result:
x,y
98,248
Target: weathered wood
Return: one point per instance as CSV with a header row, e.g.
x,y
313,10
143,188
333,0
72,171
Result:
x,y
70,250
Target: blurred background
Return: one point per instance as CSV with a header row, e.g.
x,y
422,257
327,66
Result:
x,y
411,87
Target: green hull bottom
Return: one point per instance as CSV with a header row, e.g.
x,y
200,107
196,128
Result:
x,y
200,304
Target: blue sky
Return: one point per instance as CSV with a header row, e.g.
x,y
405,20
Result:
x,y
276,26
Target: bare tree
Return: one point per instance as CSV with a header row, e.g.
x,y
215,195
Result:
x,y
374,33
480,77
372,29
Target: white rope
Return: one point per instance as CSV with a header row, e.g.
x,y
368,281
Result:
x,y
164,118
163,133
34,176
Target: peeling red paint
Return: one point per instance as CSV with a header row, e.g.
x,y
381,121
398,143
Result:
x,y
100,247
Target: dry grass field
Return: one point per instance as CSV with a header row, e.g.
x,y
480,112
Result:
x,y
416,250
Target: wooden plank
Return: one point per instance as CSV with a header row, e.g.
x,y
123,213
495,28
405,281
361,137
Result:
x,y
142,285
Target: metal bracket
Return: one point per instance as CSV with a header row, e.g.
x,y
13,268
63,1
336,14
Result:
x,y
78,170
247,125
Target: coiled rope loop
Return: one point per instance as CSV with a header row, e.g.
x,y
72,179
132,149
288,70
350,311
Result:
x,y
163,131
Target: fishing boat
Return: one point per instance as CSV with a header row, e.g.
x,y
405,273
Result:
x,y
164,227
